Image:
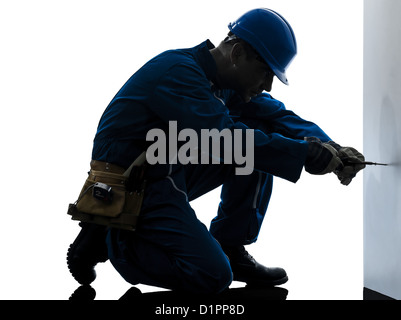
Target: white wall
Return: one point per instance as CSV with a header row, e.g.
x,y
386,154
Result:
x,y
382,143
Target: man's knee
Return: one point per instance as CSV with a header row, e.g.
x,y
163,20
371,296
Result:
x,y
225,279
212,280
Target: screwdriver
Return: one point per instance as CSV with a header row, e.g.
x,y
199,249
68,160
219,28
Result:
x,y
352,161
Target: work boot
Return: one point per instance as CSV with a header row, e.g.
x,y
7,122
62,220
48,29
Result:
x,y
88,249
246,269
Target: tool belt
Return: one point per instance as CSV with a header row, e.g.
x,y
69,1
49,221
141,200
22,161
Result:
x,y
111,196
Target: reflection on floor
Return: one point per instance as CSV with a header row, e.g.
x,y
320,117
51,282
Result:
x,y
234,301
86,292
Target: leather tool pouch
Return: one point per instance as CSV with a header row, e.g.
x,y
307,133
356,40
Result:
x,y
110,199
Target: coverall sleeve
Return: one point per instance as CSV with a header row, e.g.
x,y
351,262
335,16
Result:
x,y
278,119
183,94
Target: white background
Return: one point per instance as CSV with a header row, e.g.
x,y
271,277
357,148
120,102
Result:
x,y
61,63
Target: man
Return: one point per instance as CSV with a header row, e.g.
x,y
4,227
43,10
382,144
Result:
x,y
206,87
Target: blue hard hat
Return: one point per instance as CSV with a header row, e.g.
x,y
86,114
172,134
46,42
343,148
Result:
x,y
270,35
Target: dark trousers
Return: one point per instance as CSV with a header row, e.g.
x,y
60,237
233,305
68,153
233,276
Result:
x,y
171,248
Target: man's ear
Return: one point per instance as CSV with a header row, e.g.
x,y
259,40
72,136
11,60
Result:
x,y
237,52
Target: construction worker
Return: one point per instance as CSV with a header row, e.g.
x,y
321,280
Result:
x,y
206,87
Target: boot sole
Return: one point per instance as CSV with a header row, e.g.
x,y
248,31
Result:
x,y
78,273
81,261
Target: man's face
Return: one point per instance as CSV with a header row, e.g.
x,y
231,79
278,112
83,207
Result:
x,y
251,76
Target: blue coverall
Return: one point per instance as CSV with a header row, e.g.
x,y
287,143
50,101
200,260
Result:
x,y
171,248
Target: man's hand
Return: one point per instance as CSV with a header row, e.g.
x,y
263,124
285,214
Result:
x,y
351,159
345,162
